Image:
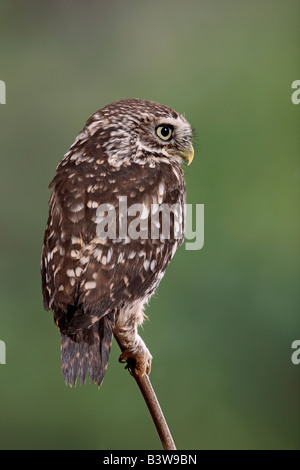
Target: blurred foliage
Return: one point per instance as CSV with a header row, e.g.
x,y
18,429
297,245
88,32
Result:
x,y
223,320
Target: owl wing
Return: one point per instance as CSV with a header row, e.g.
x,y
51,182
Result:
x,y
84,276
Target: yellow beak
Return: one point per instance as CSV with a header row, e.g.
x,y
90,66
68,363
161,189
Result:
x,y
188,154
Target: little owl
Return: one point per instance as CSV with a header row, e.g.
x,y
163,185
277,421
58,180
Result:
x,y
97,287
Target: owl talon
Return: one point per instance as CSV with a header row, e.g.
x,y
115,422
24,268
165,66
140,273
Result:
x,y
138,364
130,364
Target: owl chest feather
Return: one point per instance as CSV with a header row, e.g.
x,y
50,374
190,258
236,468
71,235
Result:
x,y
96,275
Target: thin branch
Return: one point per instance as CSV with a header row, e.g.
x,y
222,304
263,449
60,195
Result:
x,y
155,411
154,408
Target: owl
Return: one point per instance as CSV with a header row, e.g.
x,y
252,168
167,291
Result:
x,y
98,285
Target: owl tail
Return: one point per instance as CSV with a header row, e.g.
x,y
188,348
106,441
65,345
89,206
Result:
x,y
87,352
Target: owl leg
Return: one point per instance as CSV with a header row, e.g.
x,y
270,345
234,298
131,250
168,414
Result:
x,y
134,350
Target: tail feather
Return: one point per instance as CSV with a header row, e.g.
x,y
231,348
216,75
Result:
x,y
87,352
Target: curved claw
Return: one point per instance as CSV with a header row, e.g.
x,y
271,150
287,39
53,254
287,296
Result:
x,y
137,364
130,363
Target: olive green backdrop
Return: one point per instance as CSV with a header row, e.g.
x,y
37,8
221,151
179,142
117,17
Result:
x,y
222,322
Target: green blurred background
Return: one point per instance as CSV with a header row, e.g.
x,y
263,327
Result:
x,y
223,319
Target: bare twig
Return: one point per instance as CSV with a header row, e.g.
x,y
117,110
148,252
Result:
x,y
154,408
155,411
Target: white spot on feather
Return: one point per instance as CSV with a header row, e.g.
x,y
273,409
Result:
x,y
160,199
98,254
161,189
90,285
77,207
92,204
146,264
76,240
78,271
153,265
109,255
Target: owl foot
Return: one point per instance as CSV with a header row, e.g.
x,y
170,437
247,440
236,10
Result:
x,y
138,362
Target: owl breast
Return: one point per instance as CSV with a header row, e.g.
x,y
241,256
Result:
x,y
98,273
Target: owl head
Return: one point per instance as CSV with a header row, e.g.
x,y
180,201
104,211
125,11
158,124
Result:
x,y
135,130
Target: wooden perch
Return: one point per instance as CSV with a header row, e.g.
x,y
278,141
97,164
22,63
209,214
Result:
x,y
154,407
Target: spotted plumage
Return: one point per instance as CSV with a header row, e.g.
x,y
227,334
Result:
x,y
130,151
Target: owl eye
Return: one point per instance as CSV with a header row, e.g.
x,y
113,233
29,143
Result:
x,y
164,132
